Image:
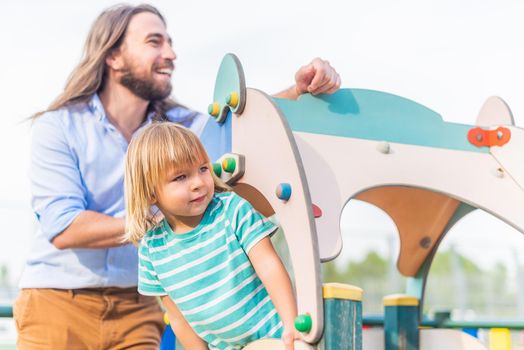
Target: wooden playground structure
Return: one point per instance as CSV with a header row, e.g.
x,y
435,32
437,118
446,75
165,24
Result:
x,y
304,160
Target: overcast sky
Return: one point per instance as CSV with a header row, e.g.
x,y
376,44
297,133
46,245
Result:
x,y
449,55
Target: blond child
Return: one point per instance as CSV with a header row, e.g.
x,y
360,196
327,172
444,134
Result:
x,y
210,258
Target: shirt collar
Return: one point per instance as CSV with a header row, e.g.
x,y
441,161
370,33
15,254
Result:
x,y
97,108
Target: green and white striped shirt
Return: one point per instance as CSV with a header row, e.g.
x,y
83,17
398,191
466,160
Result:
x,y
208,275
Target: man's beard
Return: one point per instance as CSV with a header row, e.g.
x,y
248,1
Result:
x,y
143,87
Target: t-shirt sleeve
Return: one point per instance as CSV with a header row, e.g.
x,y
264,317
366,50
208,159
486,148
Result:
x,y
148,282
248,224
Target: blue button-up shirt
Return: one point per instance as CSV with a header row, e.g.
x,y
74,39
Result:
x,y
77,164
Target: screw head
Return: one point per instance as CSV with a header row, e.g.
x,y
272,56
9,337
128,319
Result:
x,y
479,137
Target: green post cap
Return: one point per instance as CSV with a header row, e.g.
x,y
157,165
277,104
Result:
x,y
214,109
217,168
303,323
229,165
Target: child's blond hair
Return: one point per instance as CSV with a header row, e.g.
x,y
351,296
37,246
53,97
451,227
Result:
x,y
160,147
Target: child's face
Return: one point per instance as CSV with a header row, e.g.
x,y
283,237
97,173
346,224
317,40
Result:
x,y
184,194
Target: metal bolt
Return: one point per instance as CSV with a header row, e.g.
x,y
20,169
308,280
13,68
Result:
x,y
425,242
479,137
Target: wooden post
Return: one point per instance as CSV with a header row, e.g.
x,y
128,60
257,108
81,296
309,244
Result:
x,y
401,322
342,317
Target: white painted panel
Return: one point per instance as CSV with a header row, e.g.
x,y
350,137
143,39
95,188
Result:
x,y
271,158
495,112
448,339
511,155
430,339
337,168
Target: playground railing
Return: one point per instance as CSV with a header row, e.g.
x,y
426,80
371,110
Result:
x,y
378,321
6,311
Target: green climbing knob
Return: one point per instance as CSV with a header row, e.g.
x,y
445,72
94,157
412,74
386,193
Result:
x,y
217,168
229,165
303,323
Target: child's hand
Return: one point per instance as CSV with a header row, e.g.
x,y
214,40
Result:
x,y
288,337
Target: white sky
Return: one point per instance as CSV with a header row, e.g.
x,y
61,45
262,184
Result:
x,y
449,55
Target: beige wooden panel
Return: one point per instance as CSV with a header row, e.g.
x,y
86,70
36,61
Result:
x,y
448,339
339,168
511,155
430,339
495,112
271,158
276,344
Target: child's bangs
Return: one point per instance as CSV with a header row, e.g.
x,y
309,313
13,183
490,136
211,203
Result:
x,y
182,152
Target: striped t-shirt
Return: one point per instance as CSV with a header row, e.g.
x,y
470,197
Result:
x,y
208,275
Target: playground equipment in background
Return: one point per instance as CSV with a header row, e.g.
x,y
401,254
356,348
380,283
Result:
x,y
303,160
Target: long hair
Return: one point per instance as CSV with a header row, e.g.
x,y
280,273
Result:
x,y
106,35
160,147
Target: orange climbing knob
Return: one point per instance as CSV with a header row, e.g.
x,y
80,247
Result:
x,y
214,109
489,138
232,99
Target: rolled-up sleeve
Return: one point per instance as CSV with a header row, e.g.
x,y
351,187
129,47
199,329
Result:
x,y
58,194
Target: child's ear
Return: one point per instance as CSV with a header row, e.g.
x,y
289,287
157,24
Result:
x,y
152,199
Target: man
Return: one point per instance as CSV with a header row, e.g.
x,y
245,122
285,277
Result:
x,y
79,284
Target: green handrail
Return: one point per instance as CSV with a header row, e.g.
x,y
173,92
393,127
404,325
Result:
x,y
6,311
378,320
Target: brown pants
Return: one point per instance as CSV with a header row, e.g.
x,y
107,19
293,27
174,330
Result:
x,y
93,319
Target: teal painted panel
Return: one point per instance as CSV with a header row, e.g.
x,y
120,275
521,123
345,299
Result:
x,y
230,78
401,328
342,325
375,115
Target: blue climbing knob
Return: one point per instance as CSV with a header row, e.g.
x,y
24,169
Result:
x,y
283,191
303,323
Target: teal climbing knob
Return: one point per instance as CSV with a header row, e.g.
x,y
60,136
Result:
x,y
229,165
283,191
214,109
217,168
303,323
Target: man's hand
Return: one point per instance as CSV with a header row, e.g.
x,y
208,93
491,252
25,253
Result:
x,y
318,77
